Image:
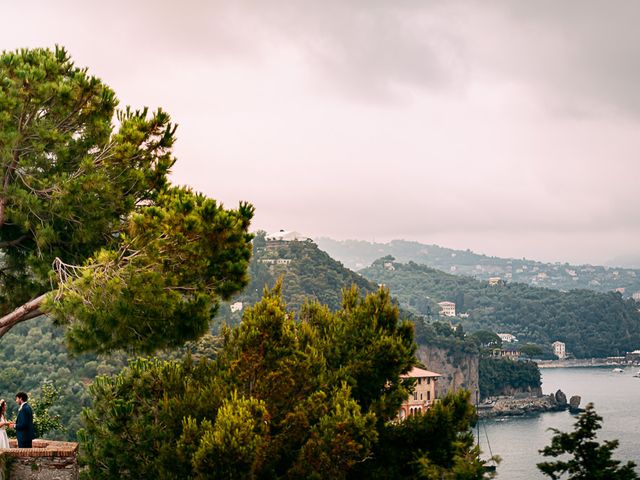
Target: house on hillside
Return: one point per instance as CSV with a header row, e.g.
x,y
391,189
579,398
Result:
x,y
507,337
559,349
509,352
424,394
495,281
286,236
448,309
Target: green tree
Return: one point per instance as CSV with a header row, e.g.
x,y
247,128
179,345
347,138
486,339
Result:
x,y
590,459
531,350
306,394
44,420
86,205
486,338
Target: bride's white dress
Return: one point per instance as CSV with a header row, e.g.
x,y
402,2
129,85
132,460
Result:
x,y
4,440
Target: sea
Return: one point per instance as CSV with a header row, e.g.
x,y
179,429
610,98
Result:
x,y
616,397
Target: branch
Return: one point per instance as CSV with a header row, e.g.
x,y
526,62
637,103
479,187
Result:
x,y
25,312
11,243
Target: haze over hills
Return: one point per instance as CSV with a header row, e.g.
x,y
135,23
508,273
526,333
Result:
x,y
358,254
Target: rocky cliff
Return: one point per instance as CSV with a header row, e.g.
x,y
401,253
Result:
x,y
458,370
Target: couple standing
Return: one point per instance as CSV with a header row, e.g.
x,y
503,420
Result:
x,y
25,432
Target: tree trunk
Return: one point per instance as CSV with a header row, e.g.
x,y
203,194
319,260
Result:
x,y
29,310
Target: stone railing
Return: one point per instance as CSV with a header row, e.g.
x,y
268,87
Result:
x,y
47,460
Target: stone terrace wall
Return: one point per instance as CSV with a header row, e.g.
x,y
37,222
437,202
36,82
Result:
x,y
47,460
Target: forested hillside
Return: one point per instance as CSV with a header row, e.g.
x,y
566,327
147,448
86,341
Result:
x,y
357,254
590,323
307,273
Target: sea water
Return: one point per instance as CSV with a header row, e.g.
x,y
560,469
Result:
x,y
616,397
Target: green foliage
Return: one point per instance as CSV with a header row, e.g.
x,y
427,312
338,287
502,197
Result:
x,y
589,460
44,420
310,274
34,354
438,444
531,350
161,287
486,339
309,398
138,264
591,324
500,376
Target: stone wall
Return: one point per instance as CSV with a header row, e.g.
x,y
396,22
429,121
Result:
x,y
47,460
458,371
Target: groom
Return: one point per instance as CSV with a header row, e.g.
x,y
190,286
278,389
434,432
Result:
x,y
24,423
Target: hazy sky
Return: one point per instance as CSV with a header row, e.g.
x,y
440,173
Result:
x,y
511,128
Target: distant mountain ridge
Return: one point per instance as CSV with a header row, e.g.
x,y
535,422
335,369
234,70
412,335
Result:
x,y
358,254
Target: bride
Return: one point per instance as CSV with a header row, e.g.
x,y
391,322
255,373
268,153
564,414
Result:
x,y
4,440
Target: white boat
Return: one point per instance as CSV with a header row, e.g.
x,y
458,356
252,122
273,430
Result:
x,y
618,370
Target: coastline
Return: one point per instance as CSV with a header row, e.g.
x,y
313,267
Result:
x,y
584,362
519,405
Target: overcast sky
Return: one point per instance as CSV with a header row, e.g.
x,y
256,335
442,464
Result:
x,y
511,128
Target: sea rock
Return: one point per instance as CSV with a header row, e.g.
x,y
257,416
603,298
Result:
x,y
561,398
574,404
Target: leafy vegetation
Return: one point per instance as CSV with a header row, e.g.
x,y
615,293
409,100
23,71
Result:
x,y
314,398
591,324
309,273
135,263
589,460
501,376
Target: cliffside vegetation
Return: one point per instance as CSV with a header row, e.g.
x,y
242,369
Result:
x,y
591,324
499,376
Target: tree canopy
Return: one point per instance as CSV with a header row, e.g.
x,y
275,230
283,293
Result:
x,y
591,324
315,397
589,460
86,207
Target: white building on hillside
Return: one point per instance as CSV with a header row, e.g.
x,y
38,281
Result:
x,y
448,309
507,337
559,349
286,236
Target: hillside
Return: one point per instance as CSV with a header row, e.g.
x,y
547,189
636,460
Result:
x,y
590,323
307,273
356,254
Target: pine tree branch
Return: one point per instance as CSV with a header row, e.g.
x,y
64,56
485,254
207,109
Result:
x,y
25,312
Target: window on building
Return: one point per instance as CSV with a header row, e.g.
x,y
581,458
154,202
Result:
x,y
428,395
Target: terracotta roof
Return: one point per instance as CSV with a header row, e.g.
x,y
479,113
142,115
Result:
x,y
419,373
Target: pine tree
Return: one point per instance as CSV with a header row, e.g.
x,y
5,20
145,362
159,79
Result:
x,y
591,460
86,205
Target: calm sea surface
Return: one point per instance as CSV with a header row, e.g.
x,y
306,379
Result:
x,y
616,397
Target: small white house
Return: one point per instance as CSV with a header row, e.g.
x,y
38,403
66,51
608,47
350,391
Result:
x,y
286,236
507,337
559,349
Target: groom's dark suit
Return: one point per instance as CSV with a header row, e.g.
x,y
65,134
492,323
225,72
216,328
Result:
x,y
24,426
